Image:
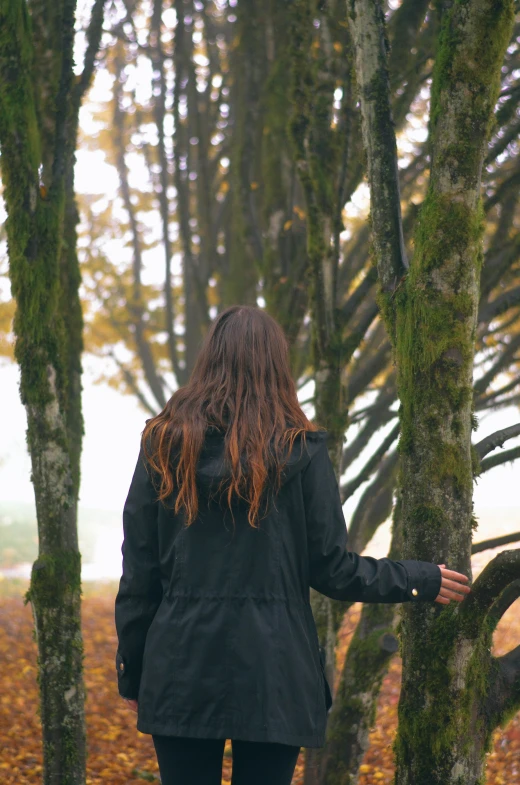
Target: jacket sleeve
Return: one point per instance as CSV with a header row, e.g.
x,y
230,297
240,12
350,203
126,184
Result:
x,y
344,575
140,588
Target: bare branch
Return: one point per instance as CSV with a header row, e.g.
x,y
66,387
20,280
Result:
x,y
94,32
490,401
366,370
358,295
498,460
370,42
349,488
503,570
494,542
135,306
132,385
504,602
375,504
503,696
497,439
379,414
159,110
482,384
499,305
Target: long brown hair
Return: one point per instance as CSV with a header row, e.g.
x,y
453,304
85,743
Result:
x,y
241,383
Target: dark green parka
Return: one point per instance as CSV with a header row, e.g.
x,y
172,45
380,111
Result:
x,y
216,637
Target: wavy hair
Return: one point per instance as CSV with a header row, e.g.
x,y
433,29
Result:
x,y
241,383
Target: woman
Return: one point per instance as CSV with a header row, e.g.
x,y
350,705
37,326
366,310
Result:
x,y
233,513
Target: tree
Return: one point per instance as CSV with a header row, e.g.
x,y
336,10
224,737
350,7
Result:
x,y
454,693
39,104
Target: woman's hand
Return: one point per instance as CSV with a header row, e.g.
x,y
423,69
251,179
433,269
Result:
x,y
452,586
131,703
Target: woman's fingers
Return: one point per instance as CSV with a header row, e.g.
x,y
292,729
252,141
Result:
x,y
452,595
454,576
447,584
453,586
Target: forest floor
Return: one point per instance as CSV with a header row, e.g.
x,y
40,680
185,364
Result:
x,y
118,754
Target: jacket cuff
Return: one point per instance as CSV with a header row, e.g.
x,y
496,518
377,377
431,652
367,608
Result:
x,y
424,580
128,687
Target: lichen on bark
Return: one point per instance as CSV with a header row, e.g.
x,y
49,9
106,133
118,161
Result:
x,y
38,123
447,670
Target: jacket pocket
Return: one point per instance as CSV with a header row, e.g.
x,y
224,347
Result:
x,y
326,686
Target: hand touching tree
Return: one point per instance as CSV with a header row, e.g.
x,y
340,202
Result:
x,y
452,586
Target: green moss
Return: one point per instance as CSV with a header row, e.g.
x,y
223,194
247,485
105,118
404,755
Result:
x,y
442,730
53,576
55,593
356,700
35,138
476,69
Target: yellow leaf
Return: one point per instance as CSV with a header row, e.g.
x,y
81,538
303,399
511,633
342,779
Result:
x,y
287,225
254,186
337,46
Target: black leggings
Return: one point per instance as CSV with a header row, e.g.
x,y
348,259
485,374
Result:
x,y
187,761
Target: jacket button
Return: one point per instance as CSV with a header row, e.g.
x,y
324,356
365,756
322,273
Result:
x,y
415,592
121,666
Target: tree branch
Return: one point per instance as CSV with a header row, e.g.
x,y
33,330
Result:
x,y
159,110
503,696
494,542
358,295
380,414
498,460
367,369
131,382
509,351
371,46
375,504
490,401
94,32
349,488
504,602
135,306
499,305
503,570
497,439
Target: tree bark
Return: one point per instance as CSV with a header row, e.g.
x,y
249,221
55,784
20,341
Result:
x,y
354,709
436,314
315,153
431,317
38,122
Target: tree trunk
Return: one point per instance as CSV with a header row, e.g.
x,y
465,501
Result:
x,y
446,651
310,128
366,662
38,121
453,692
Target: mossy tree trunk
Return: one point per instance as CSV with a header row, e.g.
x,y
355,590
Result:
x,y
454,693
319,150
354,710
39,103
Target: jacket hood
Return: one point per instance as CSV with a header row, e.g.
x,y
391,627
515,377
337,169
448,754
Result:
x,y
211,469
